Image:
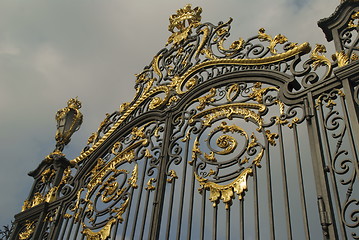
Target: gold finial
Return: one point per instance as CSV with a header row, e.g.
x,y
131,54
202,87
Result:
x,y
185,15
74,103
193,17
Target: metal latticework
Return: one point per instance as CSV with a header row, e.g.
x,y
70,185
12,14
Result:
x,y
255,140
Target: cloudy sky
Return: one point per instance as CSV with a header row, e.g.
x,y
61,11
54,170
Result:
x,y
51,51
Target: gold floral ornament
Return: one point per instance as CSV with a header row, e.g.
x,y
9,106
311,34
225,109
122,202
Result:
x,y
278,39
29,230
318,57
186,14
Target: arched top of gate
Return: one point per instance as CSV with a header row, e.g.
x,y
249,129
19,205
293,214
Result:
x,y
197,52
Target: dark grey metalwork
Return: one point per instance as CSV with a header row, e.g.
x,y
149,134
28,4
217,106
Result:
x,y
250,142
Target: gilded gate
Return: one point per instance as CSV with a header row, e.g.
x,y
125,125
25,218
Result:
x,y
251,139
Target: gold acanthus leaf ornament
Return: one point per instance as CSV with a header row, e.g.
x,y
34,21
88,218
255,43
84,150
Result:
x,y
318,57
354,17
341,58
278,39
207,99
225,192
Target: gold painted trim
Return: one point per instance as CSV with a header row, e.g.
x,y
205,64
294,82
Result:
x,y
303,48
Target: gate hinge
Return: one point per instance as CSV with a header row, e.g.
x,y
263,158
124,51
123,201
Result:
x,y
323,215
308,111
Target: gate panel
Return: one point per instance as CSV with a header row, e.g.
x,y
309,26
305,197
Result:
x,y
118,193
232,136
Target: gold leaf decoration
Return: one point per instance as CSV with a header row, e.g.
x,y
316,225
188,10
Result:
x,y
278,39
318,57
29,230
225,192
341,58
205,100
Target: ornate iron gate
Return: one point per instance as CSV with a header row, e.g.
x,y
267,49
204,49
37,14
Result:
x,y
257,140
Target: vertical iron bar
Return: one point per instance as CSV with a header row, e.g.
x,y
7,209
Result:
x,y
269,191
65,227
255,202
301,183
139,199
77,230
214,230
190,210
127,215
228,223
183,184
71,226
170,206
161,181
203,214
285,183
241,219
145,214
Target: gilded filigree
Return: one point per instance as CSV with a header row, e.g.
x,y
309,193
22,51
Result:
x,y
206,99
232,92
341,58
225,192
273,42
29,230
318,58
352,24
103,234
294,121
150,186
172,175
229,110
47,175
271,137
258,92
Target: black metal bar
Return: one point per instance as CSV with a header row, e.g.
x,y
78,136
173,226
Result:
x,y
170,207
190,210
214,227
77,229
241,219
71,225
285,183
64,228
139,199
269,191
145,214
183,185
301,183
161,181
228,223
127,218
255,201
203,214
